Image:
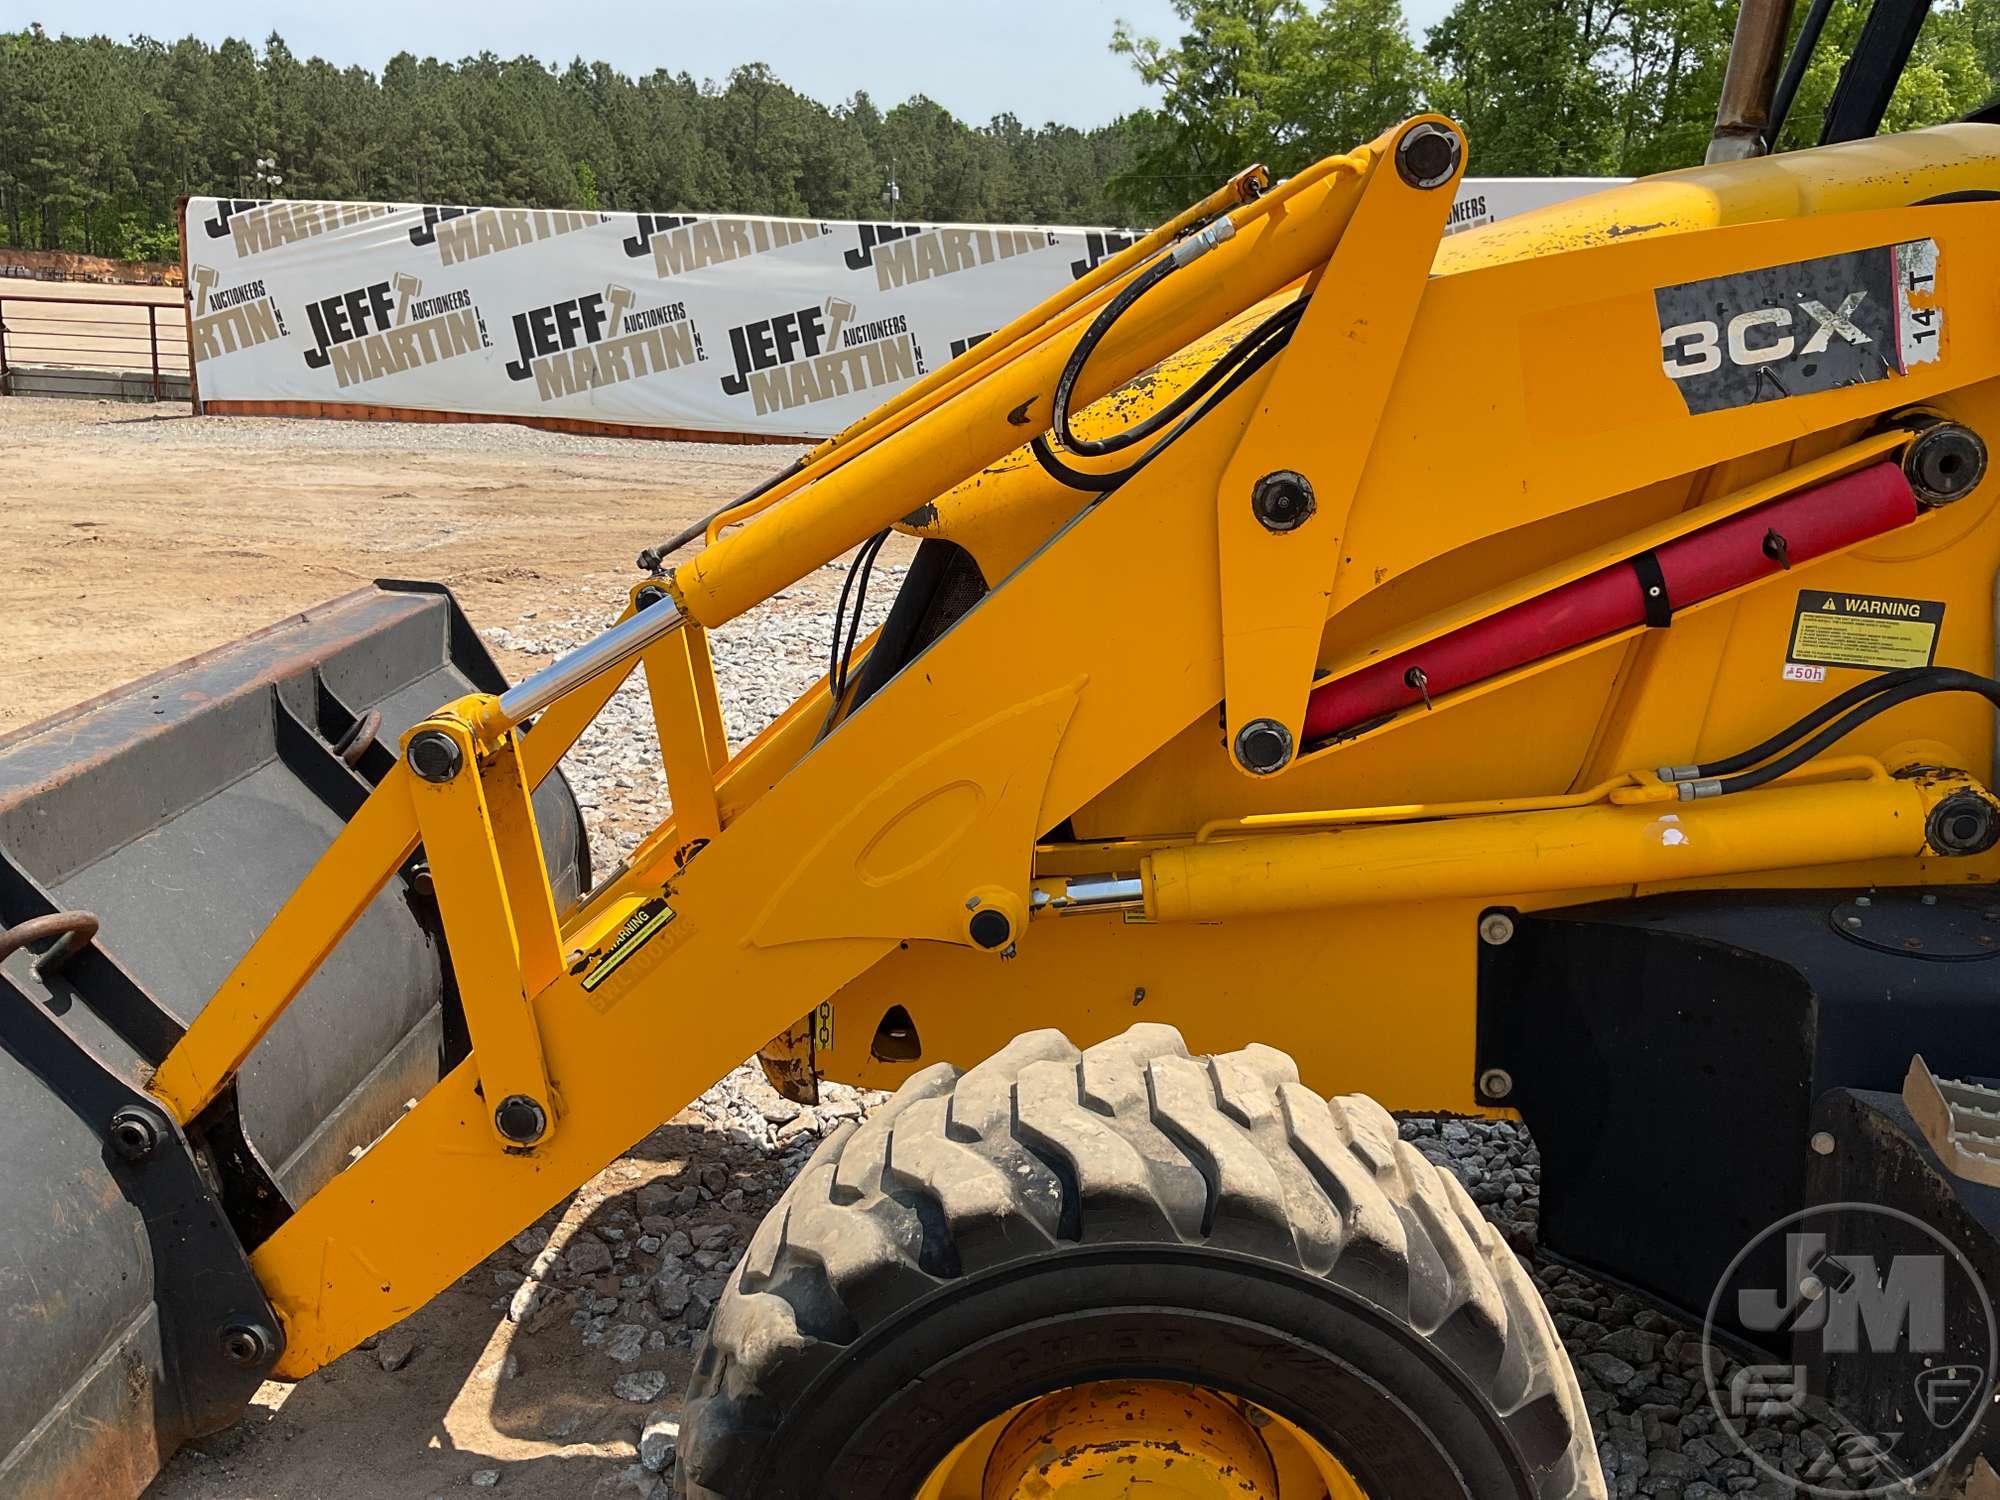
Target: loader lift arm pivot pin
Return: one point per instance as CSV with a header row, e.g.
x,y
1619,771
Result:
x,y
1427,156
434,757
1945,462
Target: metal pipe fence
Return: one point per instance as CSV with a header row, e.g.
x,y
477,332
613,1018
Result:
x,y
84,339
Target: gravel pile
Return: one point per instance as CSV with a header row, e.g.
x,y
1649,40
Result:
x,y
635,1262
1640,1368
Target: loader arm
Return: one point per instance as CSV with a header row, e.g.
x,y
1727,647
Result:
x,y
1206,580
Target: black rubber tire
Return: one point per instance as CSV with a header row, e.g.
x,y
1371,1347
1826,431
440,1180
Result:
x,y
1056,1216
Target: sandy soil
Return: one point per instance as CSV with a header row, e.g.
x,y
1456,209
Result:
x,y
478,1394
133,536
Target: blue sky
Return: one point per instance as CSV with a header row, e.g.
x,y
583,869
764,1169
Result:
x,y
1042,59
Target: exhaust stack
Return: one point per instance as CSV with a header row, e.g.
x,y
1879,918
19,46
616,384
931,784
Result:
x,y
1743,113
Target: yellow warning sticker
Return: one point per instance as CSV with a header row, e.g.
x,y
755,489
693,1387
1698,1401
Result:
x,y
616,956
1872,631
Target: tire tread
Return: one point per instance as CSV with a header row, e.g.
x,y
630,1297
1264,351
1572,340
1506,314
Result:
x,y
1131,1139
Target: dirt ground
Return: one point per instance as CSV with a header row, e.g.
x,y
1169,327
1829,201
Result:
x,y
457,1397
478,1395
133,536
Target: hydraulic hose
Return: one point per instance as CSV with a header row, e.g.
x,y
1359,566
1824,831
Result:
x,y
1933,680
1234,366
840,656
1861,692
1189,249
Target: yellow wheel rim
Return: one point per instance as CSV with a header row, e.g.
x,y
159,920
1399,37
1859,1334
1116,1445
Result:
x,y
1160,1440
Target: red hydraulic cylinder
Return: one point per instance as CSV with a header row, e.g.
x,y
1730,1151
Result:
x,y
1686,571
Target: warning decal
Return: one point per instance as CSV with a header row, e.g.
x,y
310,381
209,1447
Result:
x,y
633,933
1833,629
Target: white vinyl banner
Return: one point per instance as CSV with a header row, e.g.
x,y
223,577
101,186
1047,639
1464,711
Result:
x,y
1481,200
706,324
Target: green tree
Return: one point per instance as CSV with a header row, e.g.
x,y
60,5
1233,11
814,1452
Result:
x,y
1521,76
1277,81
102,136
1627,87
1951,70
1665,61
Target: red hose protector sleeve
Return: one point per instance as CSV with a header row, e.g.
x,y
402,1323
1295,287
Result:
x,y
1698,566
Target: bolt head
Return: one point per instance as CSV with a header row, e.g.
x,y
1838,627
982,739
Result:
x,y
1282,501
1263,746
1427,155
134,1133
1496,1083
990,928
245,1344
521,1119
434,756
1496,929
1822,1142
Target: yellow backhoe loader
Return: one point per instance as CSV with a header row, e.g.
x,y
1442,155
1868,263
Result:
x,y
1543,673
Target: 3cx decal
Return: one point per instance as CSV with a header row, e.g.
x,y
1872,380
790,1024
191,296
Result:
x,y
1791,330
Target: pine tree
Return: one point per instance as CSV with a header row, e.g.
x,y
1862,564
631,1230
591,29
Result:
x,y
103,136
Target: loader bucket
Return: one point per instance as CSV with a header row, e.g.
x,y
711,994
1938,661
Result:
x,y
180,812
